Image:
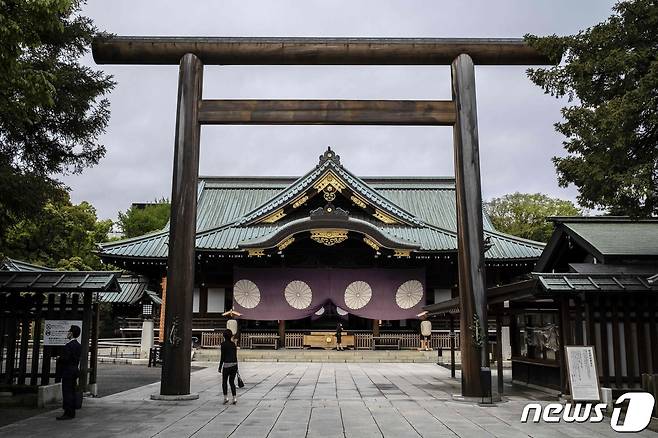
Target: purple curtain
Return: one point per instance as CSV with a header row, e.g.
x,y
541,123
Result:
x,y
328,285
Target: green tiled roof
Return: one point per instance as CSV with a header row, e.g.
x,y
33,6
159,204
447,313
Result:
x,y
305,182
132,289
618,237
229,207
58,281
19,265
574,282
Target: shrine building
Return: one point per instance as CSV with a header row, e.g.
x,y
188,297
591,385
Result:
x,y
297,255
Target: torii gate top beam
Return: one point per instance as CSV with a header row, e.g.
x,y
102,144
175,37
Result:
x,y
314,51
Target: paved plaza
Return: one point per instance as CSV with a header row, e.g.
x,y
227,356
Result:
x,y
309,400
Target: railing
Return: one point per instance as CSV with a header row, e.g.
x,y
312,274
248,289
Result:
x,y
121,341
362,339
246,335
120,348
294,340
210,339
442,341
198,323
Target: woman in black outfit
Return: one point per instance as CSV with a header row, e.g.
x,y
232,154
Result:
x,y
228,364
339,332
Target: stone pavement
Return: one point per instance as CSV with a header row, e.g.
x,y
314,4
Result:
x,y
309,400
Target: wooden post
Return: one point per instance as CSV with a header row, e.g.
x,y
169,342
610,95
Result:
x,y
452,346
499,349
94,346
36,339
282,333
163,306
375,327
182,233
472,291
47,350
84,342
563,327
25,337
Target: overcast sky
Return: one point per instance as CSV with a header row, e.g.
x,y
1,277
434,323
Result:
x,y
517,138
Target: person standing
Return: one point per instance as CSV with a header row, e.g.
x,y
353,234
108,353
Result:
x,y
339,333
68,363
228,365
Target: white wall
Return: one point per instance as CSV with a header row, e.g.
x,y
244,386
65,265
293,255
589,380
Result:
x,y
216,300
195,300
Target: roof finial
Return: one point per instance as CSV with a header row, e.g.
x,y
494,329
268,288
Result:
x,y
329,155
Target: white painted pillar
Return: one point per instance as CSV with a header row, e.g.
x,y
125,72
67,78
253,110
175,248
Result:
x,y
147,338
506,343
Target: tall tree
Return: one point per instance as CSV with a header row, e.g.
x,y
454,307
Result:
x,y
609,74
63,236
52,109
524,214
142,219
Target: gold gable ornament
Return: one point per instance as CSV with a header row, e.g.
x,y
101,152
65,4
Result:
x,y
384,217
330,179
255,252
274,216
358,201
300,201
286,243
329,237
399,253
371,243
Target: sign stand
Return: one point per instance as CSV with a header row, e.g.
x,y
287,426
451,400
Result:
x,y
582,373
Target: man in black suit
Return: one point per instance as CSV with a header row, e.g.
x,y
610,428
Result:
x,y
68,365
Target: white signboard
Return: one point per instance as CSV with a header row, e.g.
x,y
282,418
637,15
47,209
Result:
x,y
55,330
583,377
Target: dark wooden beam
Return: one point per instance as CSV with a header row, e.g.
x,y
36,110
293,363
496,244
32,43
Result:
x,y
327,112
180,266
314,51
470,242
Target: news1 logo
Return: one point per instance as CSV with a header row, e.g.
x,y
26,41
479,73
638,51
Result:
x,y
638,414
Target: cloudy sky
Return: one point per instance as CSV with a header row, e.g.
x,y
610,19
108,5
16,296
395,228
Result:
x,y
517,139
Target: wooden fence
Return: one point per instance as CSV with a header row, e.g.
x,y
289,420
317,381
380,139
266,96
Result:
x,y
362,339
24,360
622,327
650,385
294,340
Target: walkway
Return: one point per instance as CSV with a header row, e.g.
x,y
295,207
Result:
x,y
309,400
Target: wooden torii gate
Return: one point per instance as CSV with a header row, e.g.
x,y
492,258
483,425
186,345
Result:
x,y
191,53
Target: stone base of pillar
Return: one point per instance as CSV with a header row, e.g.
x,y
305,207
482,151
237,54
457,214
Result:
x,y
182,397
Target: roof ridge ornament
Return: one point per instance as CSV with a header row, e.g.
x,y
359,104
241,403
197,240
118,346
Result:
x,y
329,155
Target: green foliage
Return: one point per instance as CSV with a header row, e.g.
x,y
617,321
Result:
x,y
611,128
51,108
63,235
137,221
524,214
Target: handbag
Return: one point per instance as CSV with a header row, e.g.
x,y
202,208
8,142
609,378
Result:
x,y
240,381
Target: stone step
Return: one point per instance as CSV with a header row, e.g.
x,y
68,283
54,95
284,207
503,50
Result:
x,y
283,355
